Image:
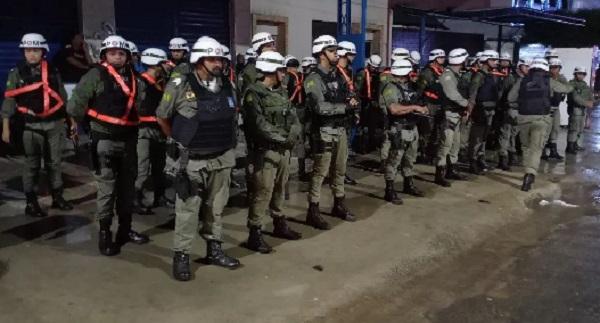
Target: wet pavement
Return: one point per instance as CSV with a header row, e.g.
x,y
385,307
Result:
x,y
546,269
469,254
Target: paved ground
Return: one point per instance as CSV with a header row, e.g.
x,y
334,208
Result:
x,y
50,270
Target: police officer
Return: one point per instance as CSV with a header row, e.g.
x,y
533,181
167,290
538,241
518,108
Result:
x,y
178,55
454,104
531,95
261,42
509,131
557,98
329,99
484,94
198,110
309,64
367,86
135,57
35,90
430,89
415,59
346,53
151,145
505,118
465,131
579,101
109,95
271,113
400,103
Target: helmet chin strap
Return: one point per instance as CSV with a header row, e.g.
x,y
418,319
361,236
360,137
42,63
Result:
x,y
209,71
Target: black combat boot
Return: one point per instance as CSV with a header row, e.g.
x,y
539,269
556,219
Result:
x,y
440,176
503,163
140,208
181,267
391,195
105,241
314,218
527,181
32,208
410,188
58,201
545,155
474,167
483,165
282,230
339,210
256,242
216,256
554,153
452,172
571,148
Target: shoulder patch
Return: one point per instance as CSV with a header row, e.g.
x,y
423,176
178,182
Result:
x,y
177,81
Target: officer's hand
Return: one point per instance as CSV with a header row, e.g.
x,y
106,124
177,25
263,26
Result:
x,y
422,109
353,102
6,135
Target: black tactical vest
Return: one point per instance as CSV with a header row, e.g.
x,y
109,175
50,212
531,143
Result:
x,y
488,91
213,128
151,100
408,96
34,100
337,90
113,101
534,94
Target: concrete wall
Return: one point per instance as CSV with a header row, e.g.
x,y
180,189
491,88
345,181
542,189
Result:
x,y
300,15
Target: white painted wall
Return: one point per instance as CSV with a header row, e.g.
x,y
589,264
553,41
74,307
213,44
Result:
x,y
572,57
300,15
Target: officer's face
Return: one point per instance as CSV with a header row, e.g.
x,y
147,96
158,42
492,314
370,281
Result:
x,y
505,63
580,76
332,55
493,63
555,70
281,74
177,54
441,60
292,69
524,69
116,57
214,65
33,55
269,47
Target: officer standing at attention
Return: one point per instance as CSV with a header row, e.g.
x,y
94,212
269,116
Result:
x,y
151,145
579,101
329,99
454,104
506,131
295,91
261,42
430,89
484,95
34,89
178,56
109,95
531,95
198,110
270,112
401,105
557,98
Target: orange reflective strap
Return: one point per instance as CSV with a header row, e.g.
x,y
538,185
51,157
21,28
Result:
x,y
109,119
47,93
431,95
437,70
148,119
347,79
298,88
146,76
368,77
130,92
231,75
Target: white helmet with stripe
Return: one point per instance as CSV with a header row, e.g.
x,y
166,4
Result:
x,y
308,61
179,43
457,56
270,62
250,53
346,48
540,63
261,39
489,54
415,57
226,53
400,53
401,67
153,56
323,42
206,47
580,69
34,40
436,53
132,47
374,60
114,42
555,62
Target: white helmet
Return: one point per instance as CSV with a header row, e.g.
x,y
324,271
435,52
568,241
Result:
x,y
260,39
540,63
153,56
401,67
206,47
291,61
179,43
346,48
524,61
551,53
478,56
132,47
489,54
457,56
114,42
308,61
436,53
400,53
250,53
555,62
580,69
34,41
322,42
415,57
270,62
226,53
374,60
505,57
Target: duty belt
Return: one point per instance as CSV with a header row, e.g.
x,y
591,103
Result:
x,y
196,155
